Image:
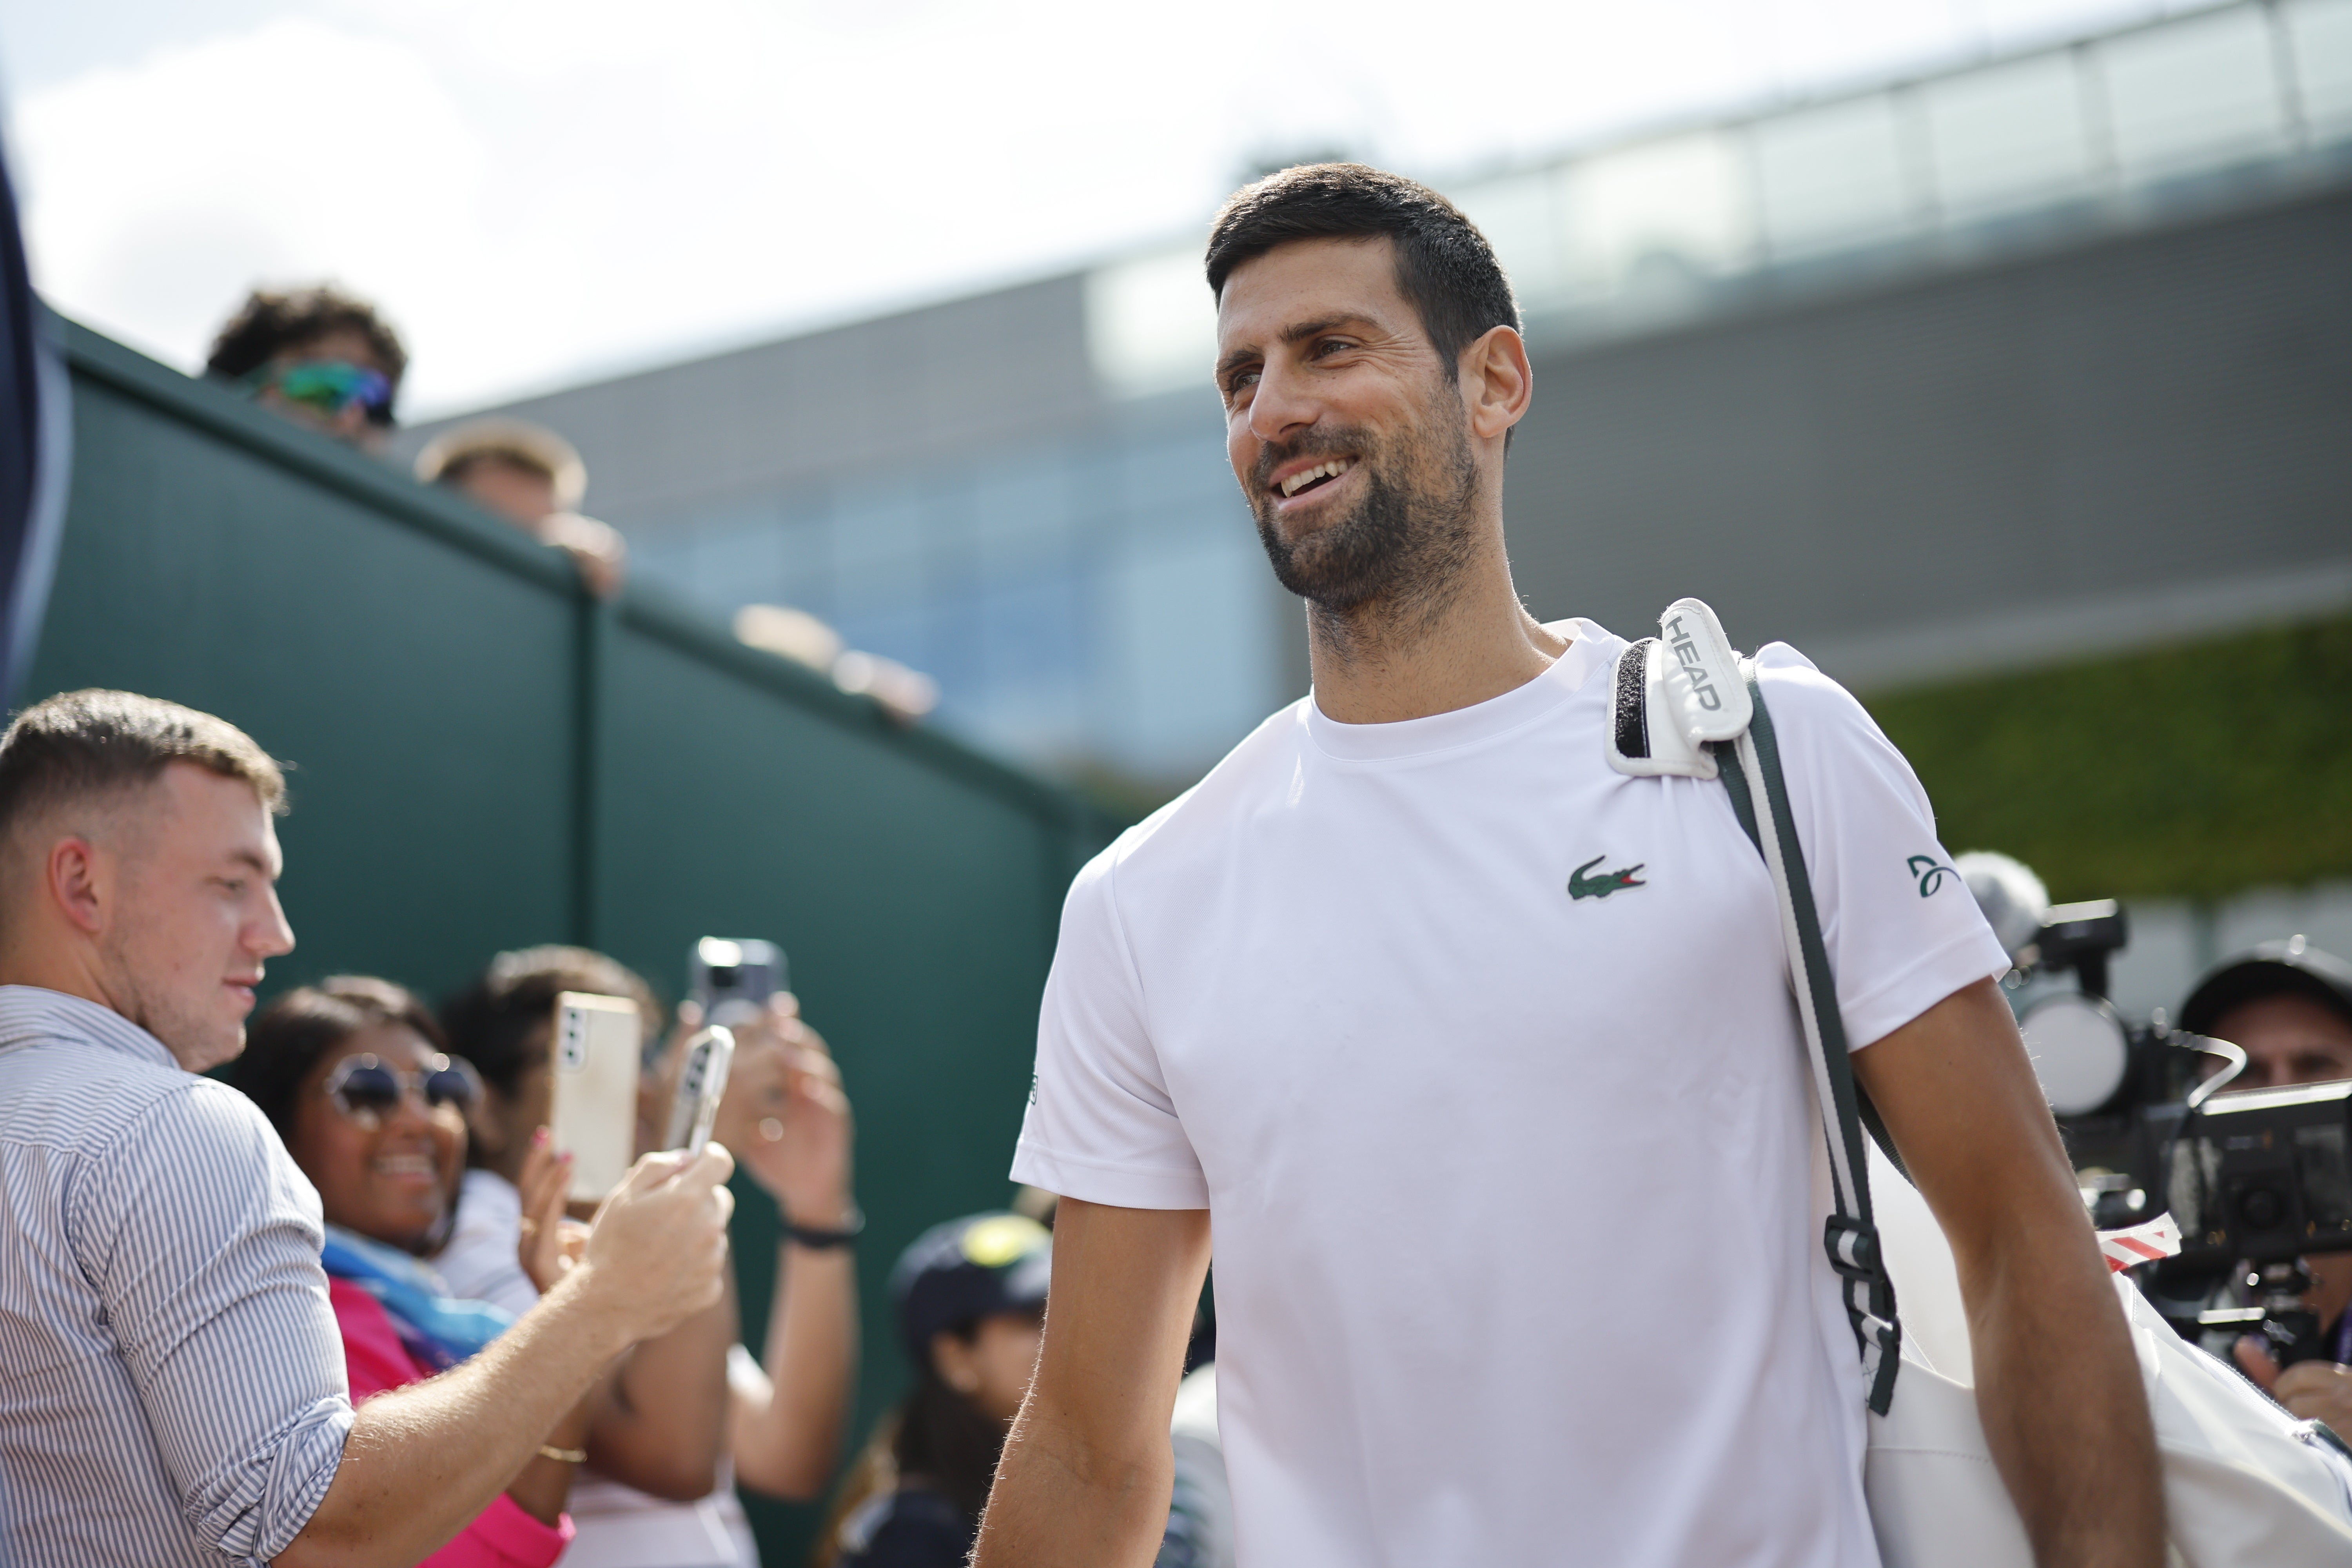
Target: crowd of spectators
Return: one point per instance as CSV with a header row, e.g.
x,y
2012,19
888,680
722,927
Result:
x,y
341,1311
224,1336
327,360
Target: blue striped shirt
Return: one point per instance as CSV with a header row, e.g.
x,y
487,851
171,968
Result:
x,y
172,1386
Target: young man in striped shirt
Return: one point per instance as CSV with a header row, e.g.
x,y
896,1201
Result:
x,y
172,1384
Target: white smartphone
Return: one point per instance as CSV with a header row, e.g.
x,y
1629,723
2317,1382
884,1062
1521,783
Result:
x,y
594,1064
701,1085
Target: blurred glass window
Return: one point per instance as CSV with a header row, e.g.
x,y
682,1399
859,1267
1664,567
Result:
x,y
1186,656
1022,512
2193,94
1831,176
881,551
1520,218
1028,688
2319,34
1151,323
1679,203
2007,136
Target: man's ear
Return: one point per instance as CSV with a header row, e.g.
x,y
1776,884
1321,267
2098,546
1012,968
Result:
x,y
80,883
1497,382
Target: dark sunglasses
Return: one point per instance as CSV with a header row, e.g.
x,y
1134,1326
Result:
x,y
367,1090
329,385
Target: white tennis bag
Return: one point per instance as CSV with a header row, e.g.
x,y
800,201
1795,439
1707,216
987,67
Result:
x,y
2245,1484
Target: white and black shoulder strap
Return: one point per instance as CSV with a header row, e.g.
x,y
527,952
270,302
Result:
x,y
1686,704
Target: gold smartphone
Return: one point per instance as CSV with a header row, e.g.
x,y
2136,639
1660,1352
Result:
x,y
595,1061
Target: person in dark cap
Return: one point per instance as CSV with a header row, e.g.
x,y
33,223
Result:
x,y
2289,1007
970,1295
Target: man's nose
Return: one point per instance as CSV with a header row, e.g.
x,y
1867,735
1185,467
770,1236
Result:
x,y
411,1110
270,936
1283,404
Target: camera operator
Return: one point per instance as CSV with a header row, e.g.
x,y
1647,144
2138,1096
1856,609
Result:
x,y
2289,1007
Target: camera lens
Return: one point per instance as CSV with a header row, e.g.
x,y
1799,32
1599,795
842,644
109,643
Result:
x,y
2263,1209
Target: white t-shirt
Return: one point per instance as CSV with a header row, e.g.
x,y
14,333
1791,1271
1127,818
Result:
x,y
617,1526
1517,1251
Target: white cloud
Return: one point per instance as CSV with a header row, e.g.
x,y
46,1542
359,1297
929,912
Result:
x,y
157,193
533,186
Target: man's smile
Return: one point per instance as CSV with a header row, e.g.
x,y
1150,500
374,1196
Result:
x,y
1305,482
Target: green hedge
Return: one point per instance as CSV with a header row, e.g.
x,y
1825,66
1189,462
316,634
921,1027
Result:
x,y
2196,771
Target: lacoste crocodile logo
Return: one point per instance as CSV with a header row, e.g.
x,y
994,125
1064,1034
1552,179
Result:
x,y
1930,873
1580,886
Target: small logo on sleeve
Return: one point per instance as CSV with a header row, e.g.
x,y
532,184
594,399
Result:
x,y
1580,886
1929,873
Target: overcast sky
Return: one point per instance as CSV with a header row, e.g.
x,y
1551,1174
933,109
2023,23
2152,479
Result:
x,y
536,191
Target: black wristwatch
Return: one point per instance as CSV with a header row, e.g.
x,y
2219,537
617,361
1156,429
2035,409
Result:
x,y
817,1239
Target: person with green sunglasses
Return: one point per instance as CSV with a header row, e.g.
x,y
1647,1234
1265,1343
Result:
x,y
318,356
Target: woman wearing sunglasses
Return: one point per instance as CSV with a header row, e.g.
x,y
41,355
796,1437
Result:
x,y
353,1075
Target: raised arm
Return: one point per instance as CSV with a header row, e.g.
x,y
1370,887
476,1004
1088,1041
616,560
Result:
x,y
659,1422
2058,1384
1086,1475
662,1423
421,1461
788,1122
790,1408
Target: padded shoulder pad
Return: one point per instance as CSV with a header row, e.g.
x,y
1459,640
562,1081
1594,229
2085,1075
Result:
x,y
1645,738
1709,697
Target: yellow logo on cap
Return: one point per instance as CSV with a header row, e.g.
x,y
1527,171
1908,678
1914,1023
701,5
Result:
x,y
993,1243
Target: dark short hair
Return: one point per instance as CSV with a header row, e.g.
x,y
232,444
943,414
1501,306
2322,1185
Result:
x,y
1444,267
491,1022
269,323
81,744
293,1034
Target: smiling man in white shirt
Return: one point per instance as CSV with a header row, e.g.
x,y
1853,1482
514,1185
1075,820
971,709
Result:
x,y
1480,1054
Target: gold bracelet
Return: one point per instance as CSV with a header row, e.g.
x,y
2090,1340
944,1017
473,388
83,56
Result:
x,y
564,1456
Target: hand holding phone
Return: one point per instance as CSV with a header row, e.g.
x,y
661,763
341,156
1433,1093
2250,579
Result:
x,y
593,1062
731,978
701,1085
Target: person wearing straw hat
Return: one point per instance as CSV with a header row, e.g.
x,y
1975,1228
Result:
x,y
534,479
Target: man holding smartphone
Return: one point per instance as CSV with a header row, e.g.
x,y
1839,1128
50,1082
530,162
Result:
x,y
164,1322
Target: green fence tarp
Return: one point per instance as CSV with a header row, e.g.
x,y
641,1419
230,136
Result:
x,y
484,758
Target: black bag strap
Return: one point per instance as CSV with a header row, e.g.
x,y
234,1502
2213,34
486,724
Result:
x,y
1749,767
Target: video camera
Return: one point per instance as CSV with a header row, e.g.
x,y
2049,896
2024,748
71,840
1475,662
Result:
x,y
2258,1177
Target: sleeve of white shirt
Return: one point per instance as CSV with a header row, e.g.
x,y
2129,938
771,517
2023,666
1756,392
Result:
x,y
1101,1127
1902,931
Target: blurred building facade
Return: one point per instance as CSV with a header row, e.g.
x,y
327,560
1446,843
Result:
x,y
2046,355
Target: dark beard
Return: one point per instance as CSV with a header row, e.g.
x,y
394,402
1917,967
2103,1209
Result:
x,y
1405,546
